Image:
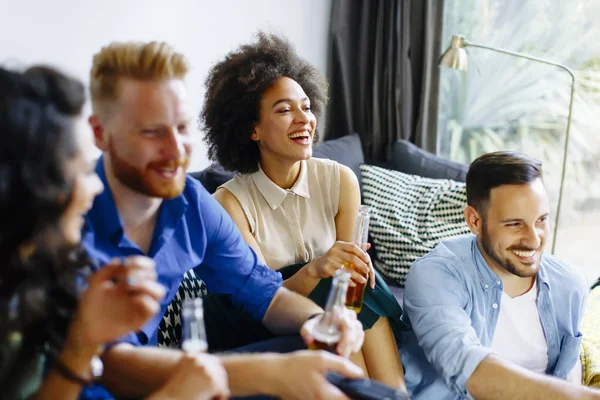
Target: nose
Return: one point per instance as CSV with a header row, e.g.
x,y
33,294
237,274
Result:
x,y
176,145
301,117
533,238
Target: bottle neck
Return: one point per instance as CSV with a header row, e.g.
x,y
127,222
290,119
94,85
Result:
x,y
337,294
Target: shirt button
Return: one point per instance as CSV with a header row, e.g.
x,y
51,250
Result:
x,y
494,306
298,243
486,286
498,283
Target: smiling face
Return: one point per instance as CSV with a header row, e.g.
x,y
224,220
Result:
x,y
513,227
146,140
287,125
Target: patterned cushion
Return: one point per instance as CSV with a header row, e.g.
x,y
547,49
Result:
x,y
409,216
590,328
169,330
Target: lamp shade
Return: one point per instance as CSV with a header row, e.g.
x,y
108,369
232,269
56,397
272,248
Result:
x,y
456,55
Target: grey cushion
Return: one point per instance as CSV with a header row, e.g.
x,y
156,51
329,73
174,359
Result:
x,y
410,215
410,159
213,177
346,150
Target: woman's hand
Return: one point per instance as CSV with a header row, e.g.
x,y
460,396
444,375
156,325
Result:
x,y
340,255
120,298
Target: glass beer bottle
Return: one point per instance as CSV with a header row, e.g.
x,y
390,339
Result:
x,y
326,333
356,294
194,331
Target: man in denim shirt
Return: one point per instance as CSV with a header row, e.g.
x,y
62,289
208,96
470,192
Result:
x,y
490,315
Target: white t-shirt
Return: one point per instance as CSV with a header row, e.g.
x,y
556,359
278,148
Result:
x,y
519,336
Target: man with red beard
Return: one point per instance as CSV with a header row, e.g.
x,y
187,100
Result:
x,y
151,207
491,315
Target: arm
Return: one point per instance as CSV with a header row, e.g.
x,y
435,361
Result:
x,y
119,298
497,379
288,311
77,355
257,289
302,282
434,302
134,372
305,280
348,204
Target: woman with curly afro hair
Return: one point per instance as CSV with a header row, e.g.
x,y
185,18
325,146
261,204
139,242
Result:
x,y
260,118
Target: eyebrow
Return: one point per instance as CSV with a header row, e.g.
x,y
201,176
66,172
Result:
x,y
287,101
520,219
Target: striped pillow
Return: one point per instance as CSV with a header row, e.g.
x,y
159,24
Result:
x,y
409,216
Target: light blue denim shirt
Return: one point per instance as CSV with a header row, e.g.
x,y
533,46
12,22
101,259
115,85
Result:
x,y
451,305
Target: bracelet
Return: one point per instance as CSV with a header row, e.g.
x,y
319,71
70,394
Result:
x,y
96,372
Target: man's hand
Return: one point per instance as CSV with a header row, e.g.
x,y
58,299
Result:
x,y
120,298
301,375
196,377
352,332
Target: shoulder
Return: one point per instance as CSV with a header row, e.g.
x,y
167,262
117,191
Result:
x,y
563,275
450,257
346,176
194,191
227,198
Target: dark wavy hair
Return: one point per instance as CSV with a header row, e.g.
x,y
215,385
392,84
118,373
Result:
x,y
234,90
37,132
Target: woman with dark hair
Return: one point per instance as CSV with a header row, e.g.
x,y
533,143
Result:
x,y
260,119
47,184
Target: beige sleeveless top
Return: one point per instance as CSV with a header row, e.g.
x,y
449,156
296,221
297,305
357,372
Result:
x,y
293,225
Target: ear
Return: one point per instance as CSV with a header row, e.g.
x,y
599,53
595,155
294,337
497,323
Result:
x,y
255,136
474,220
99,132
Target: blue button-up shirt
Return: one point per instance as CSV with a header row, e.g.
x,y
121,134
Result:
x,y
192,231
451,304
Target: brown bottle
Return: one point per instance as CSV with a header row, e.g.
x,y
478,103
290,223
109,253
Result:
x,y
356,294
326,333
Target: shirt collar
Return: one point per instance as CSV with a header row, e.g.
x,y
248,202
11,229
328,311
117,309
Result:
x,y
104,216
273,194
489,278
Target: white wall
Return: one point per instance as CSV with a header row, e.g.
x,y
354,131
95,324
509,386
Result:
x,y
66,33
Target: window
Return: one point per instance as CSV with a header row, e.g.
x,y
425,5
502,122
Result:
x,y
504,102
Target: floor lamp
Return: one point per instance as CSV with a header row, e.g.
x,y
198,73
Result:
x,y
456,57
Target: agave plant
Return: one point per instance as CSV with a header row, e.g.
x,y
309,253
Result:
x,y
509,103
504,102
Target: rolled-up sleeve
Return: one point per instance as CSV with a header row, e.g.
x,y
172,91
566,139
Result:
x,y
230,266
435,299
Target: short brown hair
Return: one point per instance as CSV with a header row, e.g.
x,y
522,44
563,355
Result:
x,y
496,169
136,60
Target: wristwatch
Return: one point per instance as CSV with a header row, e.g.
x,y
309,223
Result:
x,y
96,370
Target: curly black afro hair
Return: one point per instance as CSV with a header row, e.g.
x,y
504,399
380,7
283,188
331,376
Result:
x,y
234,91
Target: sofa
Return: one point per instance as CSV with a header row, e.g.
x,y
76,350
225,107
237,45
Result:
x,y
347,150
426,183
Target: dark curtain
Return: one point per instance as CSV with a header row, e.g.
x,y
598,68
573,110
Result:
x,y
383,72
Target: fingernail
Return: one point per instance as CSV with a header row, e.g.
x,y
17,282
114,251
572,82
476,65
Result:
x,y
130,281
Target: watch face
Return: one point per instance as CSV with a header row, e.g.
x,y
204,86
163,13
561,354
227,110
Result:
x,y
97,367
